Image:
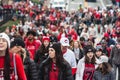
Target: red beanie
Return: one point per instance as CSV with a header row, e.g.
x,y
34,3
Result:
x,y
114,35
106,35
45,38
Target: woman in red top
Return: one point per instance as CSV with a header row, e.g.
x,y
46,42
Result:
x,y
8,62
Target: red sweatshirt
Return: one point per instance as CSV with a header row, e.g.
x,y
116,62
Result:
x,y
19,65
54,73
88,72
32,46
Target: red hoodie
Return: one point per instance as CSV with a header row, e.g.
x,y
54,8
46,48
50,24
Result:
x,y
32,46
73,34
60,35
19,65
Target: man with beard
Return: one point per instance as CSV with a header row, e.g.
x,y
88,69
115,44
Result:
x,y
31,43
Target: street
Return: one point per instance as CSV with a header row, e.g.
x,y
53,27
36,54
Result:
x,y
73,5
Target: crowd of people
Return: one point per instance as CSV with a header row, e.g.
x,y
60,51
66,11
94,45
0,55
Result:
x,y
54,44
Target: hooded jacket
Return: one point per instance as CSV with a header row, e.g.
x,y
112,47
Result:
x,y
29,67
32,46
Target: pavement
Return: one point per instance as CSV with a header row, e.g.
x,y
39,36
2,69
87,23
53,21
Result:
x,y
74,4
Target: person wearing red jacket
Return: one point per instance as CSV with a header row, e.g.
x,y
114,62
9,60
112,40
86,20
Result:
x,y
11,67
31,43
73,34
97,17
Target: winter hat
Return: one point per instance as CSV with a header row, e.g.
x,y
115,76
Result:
x,y
31,32
114,35
98,47
56,47
106,35
82,39
89,48
45,38
5,36
103,59
17,42
64,41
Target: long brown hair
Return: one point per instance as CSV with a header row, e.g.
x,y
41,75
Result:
x,y
58,55
87,60
106,68
79,44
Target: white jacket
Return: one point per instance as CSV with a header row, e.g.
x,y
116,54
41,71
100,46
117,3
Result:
x,y
81,67
69,56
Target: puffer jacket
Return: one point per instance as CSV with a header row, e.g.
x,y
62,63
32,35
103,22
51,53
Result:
x,y
39,57
30,68
65,72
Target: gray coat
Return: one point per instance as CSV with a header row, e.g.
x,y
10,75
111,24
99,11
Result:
x,y
99,76
115,56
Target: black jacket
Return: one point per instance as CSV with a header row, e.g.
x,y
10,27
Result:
x,y
30,68
40,56
65,72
